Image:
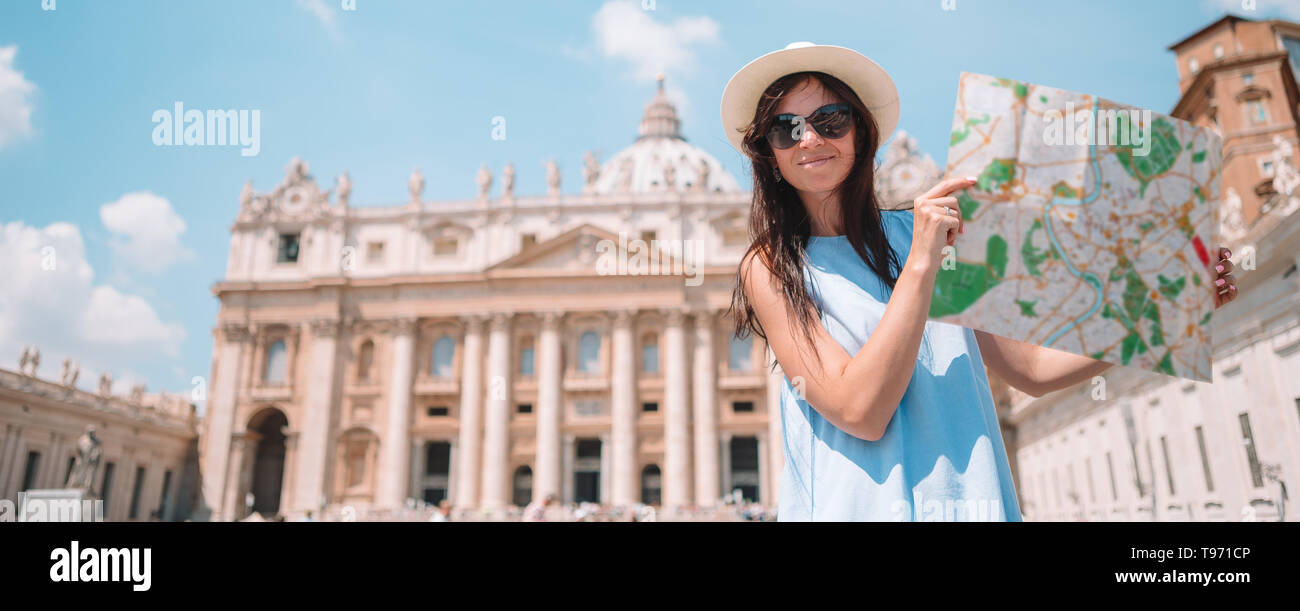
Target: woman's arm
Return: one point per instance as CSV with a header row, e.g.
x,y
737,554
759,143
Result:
x,y
859,394
1037,370
1034,369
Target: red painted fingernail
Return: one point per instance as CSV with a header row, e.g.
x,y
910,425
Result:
x,y
1218,268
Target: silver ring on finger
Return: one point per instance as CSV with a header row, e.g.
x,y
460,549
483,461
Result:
x,y
947,211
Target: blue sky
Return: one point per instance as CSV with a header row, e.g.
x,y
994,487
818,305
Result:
x,y
140,232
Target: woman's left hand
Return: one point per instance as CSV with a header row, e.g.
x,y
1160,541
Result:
x,y
1225,286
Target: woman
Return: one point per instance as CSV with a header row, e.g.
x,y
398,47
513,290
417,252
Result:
x,y
892,417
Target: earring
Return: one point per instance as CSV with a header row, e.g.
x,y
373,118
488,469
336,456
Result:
x,y
777,172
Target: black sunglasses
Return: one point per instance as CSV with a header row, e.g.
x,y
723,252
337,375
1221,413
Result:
x,y
831,121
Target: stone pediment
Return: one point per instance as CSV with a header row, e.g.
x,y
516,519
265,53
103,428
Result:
x,y
583,250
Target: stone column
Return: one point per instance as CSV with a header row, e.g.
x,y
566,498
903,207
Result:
x,y
763,470
725,442
416,484
288,486
707,487
606,470
677,442
229,347
313,444
621,444
471,406
775,431
496,424
568,456
233,508
394,461
549,408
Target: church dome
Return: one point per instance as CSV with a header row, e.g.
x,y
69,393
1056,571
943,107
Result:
x,y
661,160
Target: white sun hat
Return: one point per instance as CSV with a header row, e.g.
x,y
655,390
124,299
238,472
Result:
x,y
865,77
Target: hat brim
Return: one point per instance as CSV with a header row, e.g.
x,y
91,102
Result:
x,y
865,77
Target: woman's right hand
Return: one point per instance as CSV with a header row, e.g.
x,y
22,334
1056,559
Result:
x,y
936,221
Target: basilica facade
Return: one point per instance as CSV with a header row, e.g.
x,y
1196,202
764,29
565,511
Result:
x,y
494,351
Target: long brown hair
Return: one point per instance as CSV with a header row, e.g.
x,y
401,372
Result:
x,y
779,225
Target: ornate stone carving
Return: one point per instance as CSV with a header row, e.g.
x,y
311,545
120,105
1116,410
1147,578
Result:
x,y
344,183
590,172
86,463
105,384
415,184
404,325
235,332
508,182
551,320
68,377
623,317
484,180
701,176
1231,225
501,321
670,177
324,327
552,178
904,173
674,316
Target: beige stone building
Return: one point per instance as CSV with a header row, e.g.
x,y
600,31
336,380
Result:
x,y
1136,446
148,467
500,349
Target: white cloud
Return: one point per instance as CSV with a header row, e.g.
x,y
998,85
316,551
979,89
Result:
x,y
147,231
624,31
1262,9
15,99
48,298
324,14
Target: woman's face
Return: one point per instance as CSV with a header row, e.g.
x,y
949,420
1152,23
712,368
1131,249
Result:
x,y
816,164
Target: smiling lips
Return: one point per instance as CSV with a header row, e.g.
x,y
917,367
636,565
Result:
x,y
816,162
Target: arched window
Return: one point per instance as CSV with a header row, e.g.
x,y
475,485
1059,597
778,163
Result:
x,y
365,358
650,484
589,352
526,356
739,357
650,353
277,361
523,486
443,351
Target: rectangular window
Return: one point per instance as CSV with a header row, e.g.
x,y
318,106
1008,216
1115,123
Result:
x,y
31,470
437,410
650,358
1205,459
1169,466
445,247
1292,47
742,406
375,253
288,251
526,240
1248,79
1248,440
588,407
1092,490
1255,109
524,408
526,361
106,487
166,490
1110,468
135,493
650,406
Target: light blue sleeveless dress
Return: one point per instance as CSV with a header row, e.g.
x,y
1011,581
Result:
x,y
941,457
